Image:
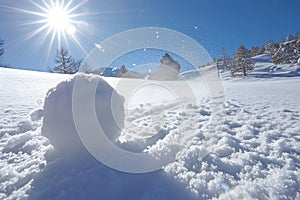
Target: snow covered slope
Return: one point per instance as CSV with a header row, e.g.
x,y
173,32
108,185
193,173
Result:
x,y
266,58
265,70
21,144
257,155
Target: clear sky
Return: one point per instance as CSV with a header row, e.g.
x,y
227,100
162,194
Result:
x,y
213,23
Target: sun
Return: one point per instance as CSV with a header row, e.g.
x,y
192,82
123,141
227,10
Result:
x,y
56,21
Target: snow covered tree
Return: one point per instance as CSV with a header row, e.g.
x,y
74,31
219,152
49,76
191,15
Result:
x,y
297,50
227,61
297,36
271,47
242,61
286,53
254,51
278,56
167,70
289,38
169,61
66,63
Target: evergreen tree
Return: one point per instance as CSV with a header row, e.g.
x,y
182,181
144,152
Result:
x,y
297,36
271,47
254,51
297,51
242,61
289,51
278,57
289,38
169,61
66,63
167,70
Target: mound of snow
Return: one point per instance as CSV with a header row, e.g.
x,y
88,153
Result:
x,y
58,122
270,70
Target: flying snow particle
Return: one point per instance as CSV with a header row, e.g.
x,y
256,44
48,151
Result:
x,y
99,47
157,35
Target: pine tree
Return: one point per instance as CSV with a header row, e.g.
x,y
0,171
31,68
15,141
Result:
x,y
66,63
297,51
271,47
289,38
254,51
167,70
169,61
285,54
297,36
242,61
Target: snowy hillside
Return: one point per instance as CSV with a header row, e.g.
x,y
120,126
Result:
x,y
266,58
256,156
265,70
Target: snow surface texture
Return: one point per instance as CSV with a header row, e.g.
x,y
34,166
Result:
x,y
257,155
22,146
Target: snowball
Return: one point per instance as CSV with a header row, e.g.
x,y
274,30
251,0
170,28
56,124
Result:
x,y
58,121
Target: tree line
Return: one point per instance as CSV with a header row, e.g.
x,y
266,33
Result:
x,y
285,52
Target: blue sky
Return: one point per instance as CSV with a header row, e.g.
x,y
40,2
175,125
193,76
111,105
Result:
x,y
212,23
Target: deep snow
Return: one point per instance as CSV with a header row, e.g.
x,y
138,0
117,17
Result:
x,y
257,154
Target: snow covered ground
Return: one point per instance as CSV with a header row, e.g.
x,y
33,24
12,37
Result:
x,y
257,154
